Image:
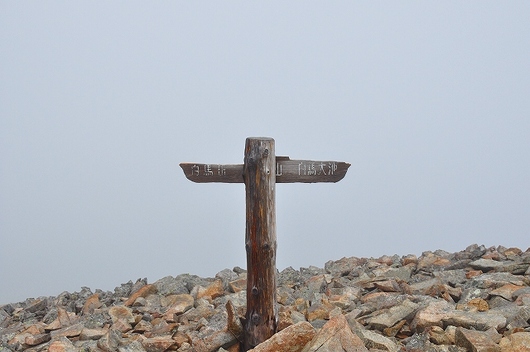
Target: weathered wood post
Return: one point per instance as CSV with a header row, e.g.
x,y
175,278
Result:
x,y
260,240
260,173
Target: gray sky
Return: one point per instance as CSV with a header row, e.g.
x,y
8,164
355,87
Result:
x,y
100,101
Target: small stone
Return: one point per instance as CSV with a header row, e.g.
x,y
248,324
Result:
x,y
62,345
432,315
34,329
284,318
194,314
140,302
180,304
121,313
387,286
516,316
142,292
393,315
36,306
374,340
418,342
92,334
291,339
438,336
319,310
402,273
142,327
506,291
476,320
340,301
63,320
393,330
479,304
110,341
335,335
238,284
162,328
316,284
473,273
516,342
158,344
386,259
429,261
318,323
432,287
410,259
69,331
180,338
451,277
170,286
34,340
214,290
341,267
383,300
496,280
478,341
226,276
512,252
91,304
134,346
224,329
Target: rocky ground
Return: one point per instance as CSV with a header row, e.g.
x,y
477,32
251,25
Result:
x,y
474,300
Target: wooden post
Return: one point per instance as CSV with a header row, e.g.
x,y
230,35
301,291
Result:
x,y
261,171
260,240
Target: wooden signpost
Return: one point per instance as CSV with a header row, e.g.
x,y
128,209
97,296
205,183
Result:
x,y
260,172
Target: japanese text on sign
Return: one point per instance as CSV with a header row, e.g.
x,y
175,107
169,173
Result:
x,y
208,170
317,168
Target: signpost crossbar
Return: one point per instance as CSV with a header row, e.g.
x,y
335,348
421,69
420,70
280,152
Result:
x,y
261,170
285,169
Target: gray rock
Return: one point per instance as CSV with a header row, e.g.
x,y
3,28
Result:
x,y
3,316
341,267
110,341
226,276
402,273
496,280
292,339
335,335
513,267
171,286
289,277
135,346
390,317
516,316
124,290
478,340
451,277
518,341
475,320
374,340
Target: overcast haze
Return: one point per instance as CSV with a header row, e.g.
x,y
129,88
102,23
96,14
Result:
x,y
100,102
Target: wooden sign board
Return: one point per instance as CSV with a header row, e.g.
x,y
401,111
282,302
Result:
x,y
260,171
286,171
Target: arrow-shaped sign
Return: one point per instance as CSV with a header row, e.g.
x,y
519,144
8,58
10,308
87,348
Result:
x,y
287,171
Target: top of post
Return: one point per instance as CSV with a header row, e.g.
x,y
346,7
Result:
x,y
261,138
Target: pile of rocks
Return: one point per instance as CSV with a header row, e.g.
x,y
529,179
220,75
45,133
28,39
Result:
x,y
474,300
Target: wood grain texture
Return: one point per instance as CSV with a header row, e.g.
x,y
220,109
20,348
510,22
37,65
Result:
x,y
260,241
204,173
